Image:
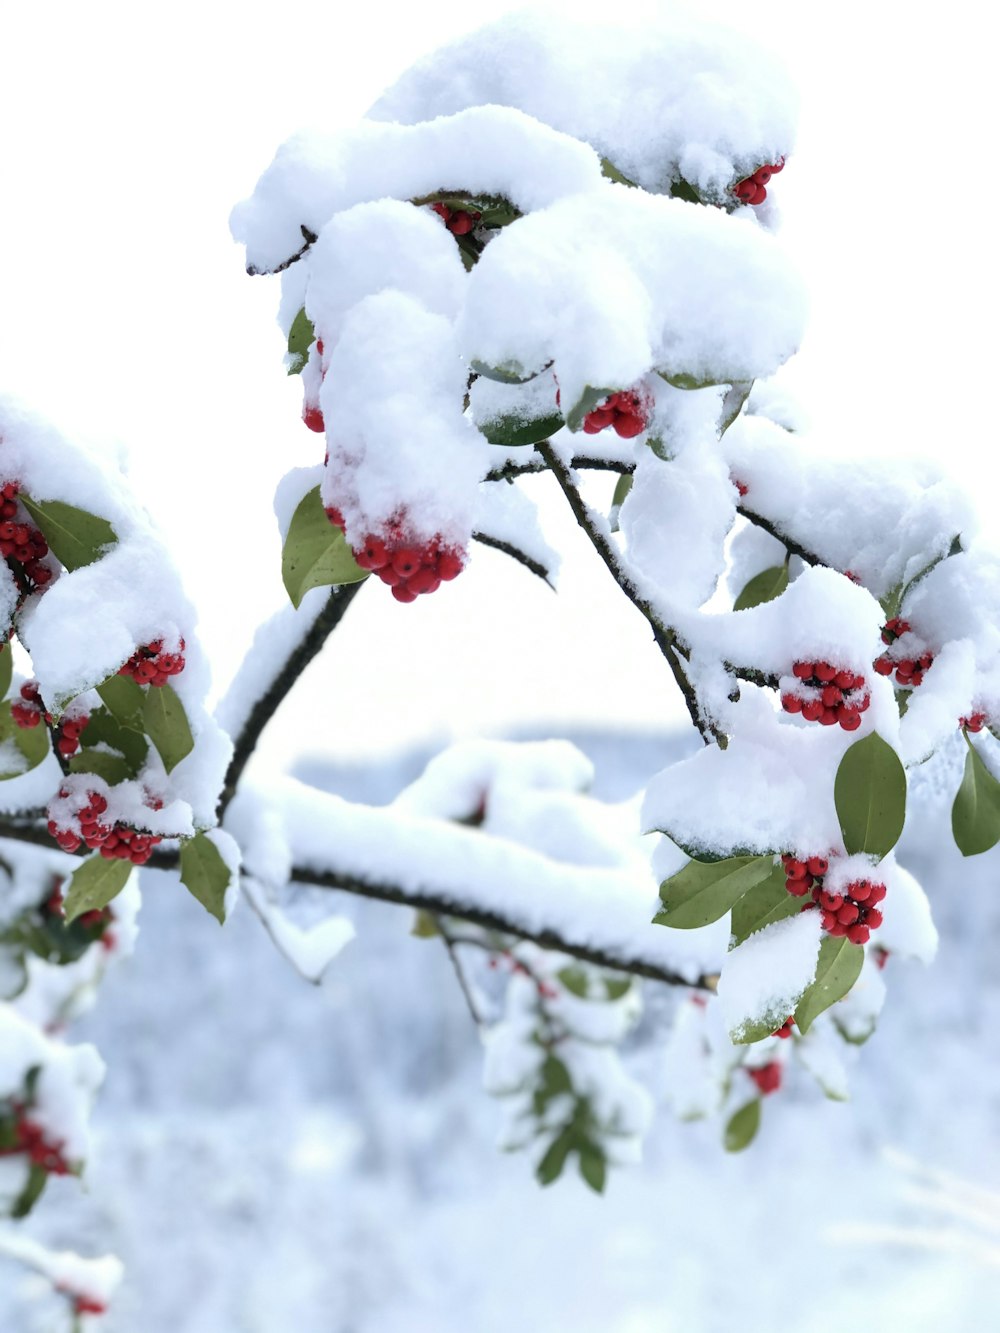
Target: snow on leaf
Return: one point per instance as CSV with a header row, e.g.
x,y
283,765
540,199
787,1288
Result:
x,y
75,537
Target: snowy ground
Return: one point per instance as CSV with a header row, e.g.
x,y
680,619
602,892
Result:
x,y
273,1158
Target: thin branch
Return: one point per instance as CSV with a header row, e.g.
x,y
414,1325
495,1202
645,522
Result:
x,y
463,983
438,904
515,553
512,469
793,547
665,637
309,237
267,705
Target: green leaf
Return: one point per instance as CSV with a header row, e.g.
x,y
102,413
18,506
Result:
x,y
870,792
508,372
111,767
585,404
316,554
837,969
742,1128
700,893
680,189
94,884
554,1082
593,1167
765,903
975,815
514,430
32,744
6,669
551,1166
38,1178
105,729
301,337
616,988
763,587
205,874
612,173
681,380
75,537
424,926
125,699
575,981
165,723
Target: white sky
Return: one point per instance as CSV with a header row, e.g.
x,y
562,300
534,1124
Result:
x,y
125,315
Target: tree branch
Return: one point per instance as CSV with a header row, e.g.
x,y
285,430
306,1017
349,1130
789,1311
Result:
x,y
580,462
309,238
267,705
792,546
515,553
440,904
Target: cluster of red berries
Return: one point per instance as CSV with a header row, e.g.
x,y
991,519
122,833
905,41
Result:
x,y
974,722
21,542
834,695
150,665
408,567
546,990
909,670
96,921
767,1077
458,221
114,841
624,411
25,1136
852,911
786,1028
751,190
88,1305
28,712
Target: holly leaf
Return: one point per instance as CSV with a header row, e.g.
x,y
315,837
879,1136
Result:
x,y
700,894
870,793
301,337
6,669
742,1128
106,730
165,723
111,767
975,815
125,699
38,1178
514,430
760,906
507,372
30,743
593,1167
574,979
94,884
837,969
75,537
552,1163
205,874
763,587
315,554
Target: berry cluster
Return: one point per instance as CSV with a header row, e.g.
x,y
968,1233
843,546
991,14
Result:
x,y
786,1028
909,670
19,1134
152,666
852,911
311,413
28,711
751,190
407,566
974,722
767,1077
458,221
22,544
827,694
114,841
624,411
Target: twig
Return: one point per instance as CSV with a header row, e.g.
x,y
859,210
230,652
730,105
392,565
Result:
x,y
512,469
310,238
793,547
515,553
449,944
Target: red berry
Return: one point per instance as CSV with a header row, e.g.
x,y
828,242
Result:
x,y
449,565
803,670
402,593
313,418
849,719
791,703
873,918
767,1077
825,672
884,666
858,934
817,865
373,555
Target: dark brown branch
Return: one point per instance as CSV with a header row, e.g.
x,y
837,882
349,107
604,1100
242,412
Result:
x,y
792,546
515,553
310,238
463,981
267,705
439,904
512,469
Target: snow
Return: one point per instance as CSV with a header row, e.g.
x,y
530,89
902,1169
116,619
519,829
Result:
x,y
764,976
311,952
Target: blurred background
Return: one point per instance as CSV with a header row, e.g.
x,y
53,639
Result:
x,y
272,1157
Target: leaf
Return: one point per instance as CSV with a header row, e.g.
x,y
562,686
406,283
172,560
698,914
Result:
x,y
94,884
763,587
38,1178
552,1163
32,744
700,893
513,431
165,723
205,874
975,815
125,699
870,792
593,1167
104,729
765,903
837,969
742,1128
616,988
575,981
111,767
508,372
424,926
301,337
681,380
585,404
6,669
555,1082
75,537
612,173
315,554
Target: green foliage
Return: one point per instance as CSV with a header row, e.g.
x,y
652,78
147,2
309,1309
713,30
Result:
x,y
111,767
702,893
301,337
38,1178
124,699
75,537
742,1127
508,372
205,874
6,669
763,587
975,815
870,792
32,744
165,723
105,729
767,902
837,969
315,554
514,430
94,884
585,404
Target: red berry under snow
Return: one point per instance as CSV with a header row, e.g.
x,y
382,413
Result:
x,y
410,568
625,412
150,665
752,189
827,694
852,912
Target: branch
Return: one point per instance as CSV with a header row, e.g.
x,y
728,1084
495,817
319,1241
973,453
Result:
x,y
793,547
665,637
515,553
440,904
267,705
511,469
309,236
